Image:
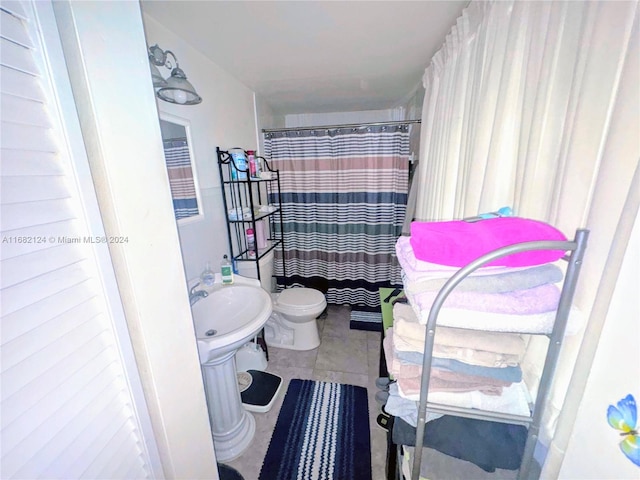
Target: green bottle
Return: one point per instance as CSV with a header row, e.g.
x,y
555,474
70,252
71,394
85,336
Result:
x,y
226,270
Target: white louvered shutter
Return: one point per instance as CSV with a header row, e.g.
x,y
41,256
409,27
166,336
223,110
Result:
x,y
67,407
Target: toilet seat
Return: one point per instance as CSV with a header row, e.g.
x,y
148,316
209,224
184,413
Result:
x,y
299,301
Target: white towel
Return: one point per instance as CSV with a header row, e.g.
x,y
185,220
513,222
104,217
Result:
x,y
515,399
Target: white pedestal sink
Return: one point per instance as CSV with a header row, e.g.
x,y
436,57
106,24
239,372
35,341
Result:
x,y
226,319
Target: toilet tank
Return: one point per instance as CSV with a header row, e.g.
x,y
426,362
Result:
x,y
248,269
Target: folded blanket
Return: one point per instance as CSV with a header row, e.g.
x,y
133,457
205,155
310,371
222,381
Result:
x,y
514,399
467,355
538,323
540,299
492,283
456,243
405,323
489,445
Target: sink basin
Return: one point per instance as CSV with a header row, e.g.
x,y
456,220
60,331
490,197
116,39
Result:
x,y
228,318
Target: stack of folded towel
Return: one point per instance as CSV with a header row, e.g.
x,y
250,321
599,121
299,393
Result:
x,y
470,369
478,345
516,293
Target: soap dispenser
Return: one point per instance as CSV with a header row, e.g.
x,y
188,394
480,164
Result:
x,y
208,277
226,271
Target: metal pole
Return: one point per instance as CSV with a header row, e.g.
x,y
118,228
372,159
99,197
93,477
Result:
x,y
333,127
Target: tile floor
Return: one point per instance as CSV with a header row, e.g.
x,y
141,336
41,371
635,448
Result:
x,y
344,356
352,357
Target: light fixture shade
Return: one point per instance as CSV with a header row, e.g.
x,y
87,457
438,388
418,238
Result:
x,y
179,90
158,81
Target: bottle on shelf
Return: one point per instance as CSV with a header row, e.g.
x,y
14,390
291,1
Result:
x,y
261,235
226,270
254,165
238,165
251,243
207,276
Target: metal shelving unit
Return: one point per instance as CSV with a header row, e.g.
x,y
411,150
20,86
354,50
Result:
x,y
574,258
242,201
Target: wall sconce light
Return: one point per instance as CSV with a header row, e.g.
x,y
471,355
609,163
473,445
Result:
x,y
176,88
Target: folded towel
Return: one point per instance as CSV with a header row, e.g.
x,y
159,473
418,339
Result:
x,y
411,387
514,399
406,409
421,269
467,355
507,374
405,323
496,283
520,302
445,377
456,243
538,323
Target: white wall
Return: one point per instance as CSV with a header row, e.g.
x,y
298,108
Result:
x,y
104,41
344,118
593,451
225,118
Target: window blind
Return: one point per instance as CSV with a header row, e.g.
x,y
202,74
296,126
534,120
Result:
x,y
66,406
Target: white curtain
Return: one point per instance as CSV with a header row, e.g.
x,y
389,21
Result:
x,y
534,105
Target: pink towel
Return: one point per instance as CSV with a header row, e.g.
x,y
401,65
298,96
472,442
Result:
x,y
456,243
540,299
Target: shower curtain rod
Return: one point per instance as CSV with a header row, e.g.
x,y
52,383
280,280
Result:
x,y
331,127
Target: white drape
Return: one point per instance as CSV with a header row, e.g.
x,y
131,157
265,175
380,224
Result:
x,y
525,106
506,96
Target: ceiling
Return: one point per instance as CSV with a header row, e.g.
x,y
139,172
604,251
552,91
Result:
x,y
316,56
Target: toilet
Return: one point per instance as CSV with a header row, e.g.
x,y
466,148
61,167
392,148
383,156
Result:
x,y
292,324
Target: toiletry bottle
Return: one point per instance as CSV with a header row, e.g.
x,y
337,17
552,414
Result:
x,y
208,277
261,235
252,163
251,243
258,167
226,270
240,162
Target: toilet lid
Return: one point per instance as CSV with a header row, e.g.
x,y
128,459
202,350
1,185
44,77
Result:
x,y
300,298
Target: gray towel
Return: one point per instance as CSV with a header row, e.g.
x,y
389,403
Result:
x,y
498,283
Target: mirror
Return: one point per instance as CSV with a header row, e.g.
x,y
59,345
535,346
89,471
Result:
x,y
178,153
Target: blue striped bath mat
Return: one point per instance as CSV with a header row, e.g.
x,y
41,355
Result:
x,y
370,321
322,433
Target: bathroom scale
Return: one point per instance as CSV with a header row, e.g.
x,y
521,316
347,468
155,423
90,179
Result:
x,y
258,390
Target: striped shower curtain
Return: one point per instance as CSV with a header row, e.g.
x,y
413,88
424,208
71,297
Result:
x,y
183,190
344,194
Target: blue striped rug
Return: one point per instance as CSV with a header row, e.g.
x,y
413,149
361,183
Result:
x,y
371,321
322,433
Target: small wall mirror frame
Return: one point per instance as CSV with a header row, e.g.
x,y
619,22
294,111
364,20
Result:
x,y
181,168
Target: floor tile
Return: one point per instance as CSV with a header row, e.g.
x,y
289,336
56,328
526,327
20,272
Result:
x,y
343,354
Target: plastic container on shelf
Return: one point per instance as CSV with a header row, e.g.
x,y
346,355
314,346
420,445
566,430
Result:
x,y
207,276
254,166
251,243
261,233
238,165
